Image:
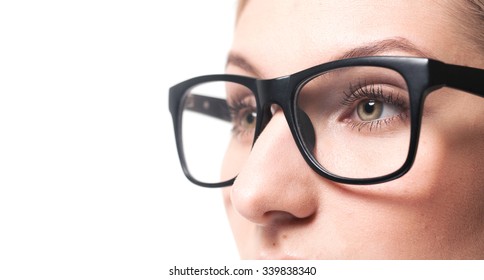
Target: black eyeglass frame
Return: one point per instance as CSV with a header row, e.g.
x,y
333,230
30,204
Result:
x,y
422,75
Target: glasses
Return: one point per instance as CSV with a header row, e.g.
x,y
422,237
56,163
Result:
x,y
355,121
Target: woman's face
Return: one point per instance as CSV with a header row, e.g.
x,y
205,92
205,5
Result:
x,y
279,208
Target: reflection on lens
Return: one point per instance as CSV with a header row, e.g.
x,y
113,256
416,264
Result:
x,y
360,117
218,123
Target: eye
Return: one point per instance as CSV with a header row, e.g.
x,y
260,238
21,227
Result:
x,y
246,119
369,110
375,106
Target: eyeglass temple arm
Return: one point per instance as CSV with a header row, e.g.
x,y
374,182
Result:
x,y
464,78
210,106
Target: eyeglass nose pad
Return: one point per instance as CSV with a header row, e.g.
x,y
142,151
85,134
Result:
x,y
306,129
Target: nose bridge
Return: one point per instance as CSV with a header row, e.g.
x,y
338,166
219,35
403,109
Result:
x,y
273,91
278,91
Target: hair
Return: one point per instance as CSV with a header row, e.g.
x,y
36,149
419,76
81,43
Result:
x,y
469,12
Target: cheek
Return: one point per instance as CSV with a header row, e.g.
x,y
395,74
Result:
x,y
450,152
442,196
235,157
447,179
433,211
227,201
451,147
446,168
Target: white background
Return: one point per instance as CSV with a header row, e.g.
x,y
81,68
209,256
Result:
x,y
90,183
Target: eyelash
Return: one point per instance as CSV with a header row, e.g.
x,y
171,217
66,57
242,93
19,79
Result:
x,y
369,91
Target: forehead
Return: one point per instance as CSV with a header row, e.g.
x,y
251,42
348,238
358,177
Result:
x,y
281,37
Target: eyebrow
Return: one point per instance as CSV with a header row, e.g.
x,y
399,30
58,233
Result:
x,y
239,61
378,47
369,49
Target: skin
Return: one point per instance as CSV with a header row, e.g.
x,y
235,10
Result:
x,y
279,208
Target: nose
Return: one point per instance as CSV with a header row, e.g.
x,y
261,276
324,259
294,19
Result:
x,y
275,184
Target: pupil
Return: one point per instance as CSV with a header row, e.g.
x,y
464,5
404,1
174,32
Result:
x,y
250,118
370,107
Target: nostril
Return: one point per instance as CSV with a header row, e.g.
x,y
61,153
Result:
x,y
306,129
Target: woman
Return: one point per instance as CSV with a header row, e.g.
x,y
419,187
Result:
x,y
372,148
